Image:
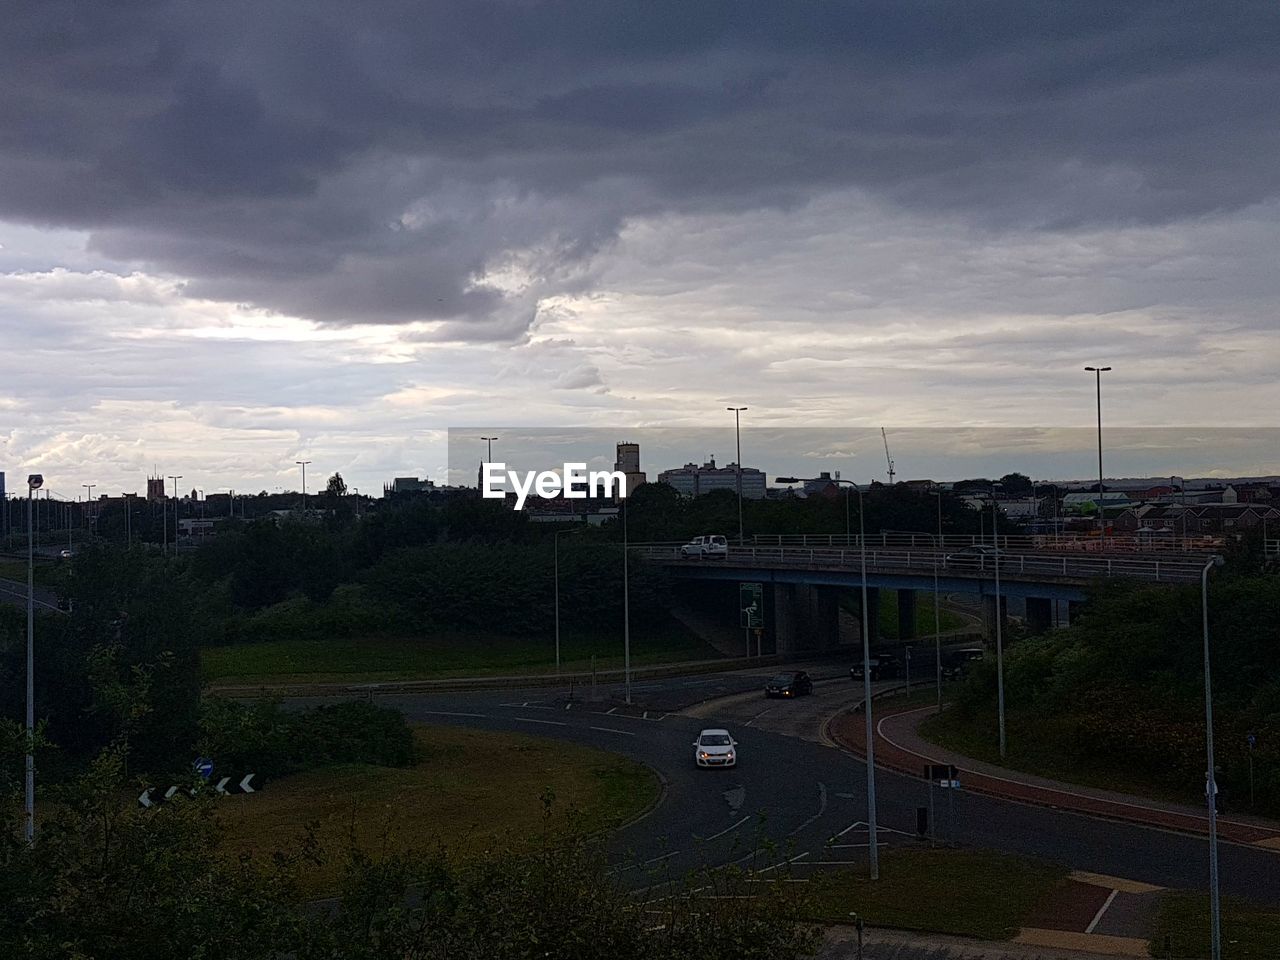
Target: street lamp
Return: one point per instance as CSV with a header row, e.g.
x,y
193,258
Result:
x,y
1102,519
626,606
995,537
737,432
34,482
937,609
1211,783
873,849
556,564
89,501
175,512
489,440
303,465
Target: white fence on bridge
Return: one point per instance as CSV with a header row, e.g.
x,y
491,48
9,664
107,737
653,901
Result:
x,y
1072,566
1058,543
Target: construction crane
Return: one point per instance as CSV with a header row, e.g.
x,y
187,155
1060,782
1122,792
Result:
x,y
884,436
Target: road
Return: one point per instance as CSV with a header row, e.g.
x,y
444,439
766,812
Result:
x,y
15,593
800,792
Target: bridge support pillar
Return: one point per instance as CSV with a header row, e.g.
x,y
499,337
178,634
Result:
x,y
826,625
906,614
1039,614
989,614
784,619
1073,611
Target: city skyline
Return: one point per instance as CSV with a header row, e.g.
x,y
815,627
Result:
x,y
925,221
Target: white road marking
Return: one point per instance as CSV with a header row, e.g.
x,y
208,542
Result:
x,y
784,863
609,711
625,733
716,836
822,806
446,713
1101,910
665,856
551,723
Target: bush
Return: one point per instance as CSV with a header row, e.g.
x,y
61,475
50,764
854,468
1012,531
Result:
x,y
273,742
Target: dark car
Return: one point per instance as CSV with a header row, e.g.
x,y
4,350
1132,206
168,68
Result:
x,y
792,684
955,663
884,666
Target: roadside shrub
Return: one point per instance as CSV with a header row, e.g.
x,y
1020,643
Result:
x,y
273,742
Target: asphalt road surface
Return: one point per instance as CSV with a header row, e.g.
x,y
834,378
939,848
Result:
x,y
15,593
805,796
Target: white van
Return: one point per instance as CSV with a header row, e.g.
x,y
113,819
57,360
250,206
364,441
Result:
x,y
709,546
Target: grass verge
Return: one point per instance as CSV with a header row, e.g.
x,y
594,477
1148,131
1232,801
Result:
x,y
471,789
1031,753
971,893
1249,931
439,656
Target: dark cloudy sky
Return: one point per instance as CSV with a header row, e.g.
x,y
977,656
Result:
x,y
238,234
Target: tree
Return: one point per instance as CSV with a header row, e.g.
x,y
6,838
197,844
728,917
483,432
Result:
x,y
336,487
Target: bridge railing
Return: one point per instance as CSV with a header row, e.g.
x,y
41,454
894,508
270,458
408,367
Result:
x,y
1271,549
1079,566
1066,542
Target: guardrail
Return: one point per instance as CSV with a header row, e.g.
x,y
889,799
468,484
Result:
x,y
1271,548
1067,543
1075,567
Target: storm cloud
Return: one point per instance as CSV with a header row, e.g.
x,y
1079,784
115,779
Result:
x,y
393,162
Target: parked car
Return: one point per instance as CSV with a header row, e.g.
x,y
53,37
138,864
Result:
x,y
884,666
793,684
712,545
715,748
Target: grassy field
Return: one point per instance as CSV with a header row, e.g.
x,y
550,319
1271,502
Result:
x,y
1031,754
45,574
1249,931
949,619
437,657
972,893
471,790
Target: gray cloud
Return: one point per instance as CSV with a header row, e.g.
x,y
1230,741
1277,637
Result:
x,y
382,163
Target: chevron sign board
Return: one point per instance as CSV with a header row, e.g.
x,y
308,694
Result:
x,y
220,785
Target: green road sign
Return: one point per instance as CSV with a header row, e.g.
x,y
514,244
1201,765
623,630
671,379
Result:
x,y
751,605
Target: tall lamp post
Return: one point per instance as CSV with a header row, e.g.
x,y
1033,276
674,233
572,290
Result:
x,y
873,849
626,606
89,502
489,456
1211,780
995,537
175,480
1102,517
737,433
937,600
556,554
34,482
303,465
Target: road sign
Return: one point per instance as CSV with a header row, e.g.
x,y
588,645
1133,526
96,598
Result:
x,y
204,767
223,786
943,774
751,605
1253,741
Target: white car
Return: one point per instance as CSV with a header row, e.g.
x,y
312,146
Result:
x,y
709,546
715,748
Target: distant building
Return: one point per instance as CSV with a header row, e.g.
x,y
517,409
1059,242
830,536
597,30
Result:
x,y
2,487
692,480
407,485
628,463
155,488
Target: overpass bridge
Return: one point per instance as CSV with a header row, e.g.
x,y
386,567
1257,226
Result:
x,y
803,576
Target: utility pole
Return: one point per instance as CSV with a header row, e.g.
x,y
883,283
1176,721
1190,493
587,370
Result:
x,y
737,432
303,465
175,512
1102,518
34,483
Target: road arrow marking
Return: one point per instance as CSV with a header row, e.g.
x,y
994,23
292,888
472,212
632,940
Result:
x,y
244,784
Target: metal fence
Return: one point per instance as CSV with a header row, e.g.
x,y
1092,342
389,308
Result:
x,y
1057,543
1079,566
